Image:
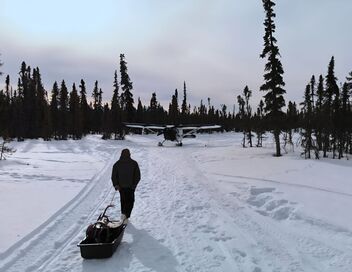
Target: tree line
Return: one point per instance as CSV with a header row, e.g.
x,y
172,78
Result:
x,y
30,111
323,119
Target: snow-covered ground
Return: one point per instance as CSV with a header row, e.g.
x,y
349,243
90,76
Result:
x,y
208,206
41,177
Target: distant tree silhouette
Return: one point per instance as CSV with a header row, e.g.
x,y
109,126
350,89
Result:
x,y
247,93
330,90
28,100
5,110
155,112
97,113
106,122
184,106
319,113
307,140
242,116
174,110
18,111
63,112
348,117
85,109
259,124
140,113
41,108
116,110
312,92
0,66
344,121
54,110
291,124
75,114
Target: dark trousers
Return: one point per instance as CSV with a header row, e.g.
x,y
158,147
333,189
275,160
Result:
x,y
127,201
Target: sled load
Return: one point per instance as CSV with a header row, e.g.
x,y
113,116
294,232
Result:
x,y
102,237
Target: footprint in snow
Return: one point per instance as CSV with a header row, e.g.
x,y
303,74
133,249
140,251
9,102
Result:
x,y
258,191
208,249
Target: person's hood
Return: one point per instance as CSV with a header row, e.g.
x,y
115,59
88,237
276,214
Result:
x,y
125,154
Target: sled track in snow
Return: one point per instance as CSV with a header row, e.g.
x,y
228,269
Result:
x,y
43,244
299,250
183,222
284,183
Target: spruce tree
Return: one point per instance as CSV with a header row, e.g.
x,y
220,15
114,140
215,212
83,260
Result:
x,y
7,87
116,112
319,113
54,110
75,114
349,81
18,111
97,108
0,66
184,106
84,107
259,127
344,119
3,115
174,109
126,86
140,111
274,100
242,116
153,102
331,90
153,109
211,112
26,92
307,140
247,93
348,117
63,112
5,110
291,121
106,122
312,92
337,131
42,118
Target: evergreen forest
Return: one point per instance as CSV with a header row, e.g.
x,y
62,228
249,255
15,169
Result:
x,y
323,117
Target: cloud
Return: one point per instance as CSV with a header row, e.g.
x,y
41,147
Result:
x,y
212,45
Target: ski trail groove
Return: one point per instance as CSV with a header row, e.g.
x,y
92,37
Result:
x,y
183,222
303,253
284,183
63,225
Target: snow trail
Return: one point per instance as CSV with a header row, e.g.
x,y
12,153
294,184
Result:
x,y
188,219
49,239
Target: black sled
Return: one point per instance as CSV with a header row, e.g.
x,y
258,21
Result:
x,y
102,238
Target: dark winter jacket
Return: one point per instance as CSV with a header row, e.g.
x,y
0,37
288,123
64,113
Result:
x,y
125,172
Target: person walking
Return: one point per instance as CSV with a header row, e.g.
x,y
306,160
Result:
x,y
125,177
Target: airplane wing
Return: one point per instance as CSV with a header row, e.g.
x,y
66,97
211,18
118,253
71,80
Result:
x,y
154,127
151,128
193,129
200,127
142,126
134,126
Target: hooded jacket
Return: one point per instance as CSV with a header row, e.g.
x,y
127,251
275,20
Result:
x,y
125,172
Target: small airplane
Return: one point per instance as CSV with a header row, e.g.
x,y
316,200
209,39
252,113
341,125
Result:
x,y
174,133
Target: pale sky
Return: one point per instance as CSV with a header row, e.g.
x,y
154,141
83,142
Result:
x,y
213,45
